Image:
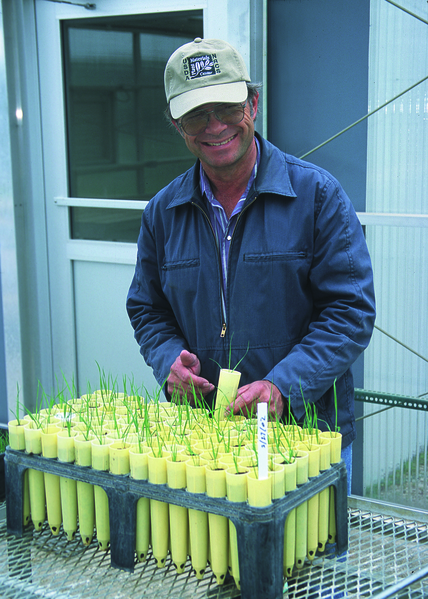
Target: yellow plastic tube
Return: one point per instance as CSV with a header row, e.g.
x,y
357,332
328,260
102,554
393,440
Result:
x,y
324,496
198,520
159,512
178,515
139,470
68,486
228,384
236,486
302,459
52,486
218,525
101,461
290,481
17,442
313,502
335,457
259,490
119,458
36,481
85,491
277,479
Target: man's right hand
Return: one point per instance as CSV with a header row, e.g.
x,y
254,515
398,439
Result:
x,y
183,381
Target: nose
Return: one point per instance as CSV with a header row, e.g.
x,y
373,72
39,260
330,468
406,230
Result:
x,y
214,126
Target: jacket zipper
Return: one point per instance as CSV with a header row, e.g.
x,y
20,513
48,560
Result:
x,y
224,325
223,331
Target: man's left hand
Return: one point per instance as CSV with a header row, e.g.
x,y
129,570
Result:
x,y
250,395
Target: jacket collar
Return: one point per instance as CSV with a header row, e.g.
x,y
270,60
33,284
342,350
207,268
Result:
x,y
272,177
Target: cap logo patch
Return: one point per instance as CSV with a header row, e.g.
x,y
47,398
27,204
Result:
x,y
200,66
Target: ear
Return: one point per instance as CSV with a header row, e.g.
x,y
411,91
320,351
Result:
x,y
254,106
177,126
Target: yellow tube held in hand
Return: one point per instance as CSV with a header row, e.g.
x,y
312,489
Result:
x,y
228,384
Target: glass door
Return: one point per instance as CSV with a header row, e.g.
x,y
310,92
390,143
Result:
x,y
107,150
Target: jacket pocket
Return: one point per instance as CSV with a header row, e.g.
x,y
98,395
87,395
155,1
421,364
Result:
x,y
180,279
275,256
180,264
274,286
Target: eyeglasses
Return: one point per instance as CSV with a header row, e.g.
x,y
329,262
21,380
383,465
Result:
x,y
197,121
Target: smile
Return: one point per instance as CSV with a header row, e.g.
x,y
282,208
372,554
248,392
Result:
x,y
220,143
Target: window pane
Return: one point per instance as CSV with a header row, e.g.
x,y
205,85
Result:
x,y
106,224
120,145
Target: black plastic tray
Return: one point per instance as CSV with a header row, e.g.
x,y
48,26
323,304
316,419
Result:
x,y
260,531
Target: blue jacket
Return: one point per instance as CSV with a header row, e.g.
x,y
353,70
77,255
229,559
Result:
x,y
299,291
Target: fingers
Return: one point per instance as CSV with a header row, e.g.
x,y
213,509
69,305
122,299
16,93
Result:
x,y
183,381
250,395
243,403
190,361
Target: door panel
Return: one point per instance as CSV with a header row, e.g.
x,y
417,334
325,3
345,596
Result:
x,y
104,334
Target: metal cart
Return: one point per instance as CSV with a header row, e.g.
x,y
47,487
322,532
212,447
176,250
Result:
x,y
387,557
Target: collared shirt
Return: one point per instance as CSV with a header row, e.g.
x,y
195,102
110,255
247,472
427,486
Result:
x,y
224,227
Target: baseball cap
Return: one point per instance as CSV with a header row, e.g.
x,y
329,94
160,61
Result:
x,y
204,71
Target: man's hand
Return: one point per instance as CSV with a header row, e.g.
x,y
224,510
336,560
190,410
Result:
x,y
184,382
250,395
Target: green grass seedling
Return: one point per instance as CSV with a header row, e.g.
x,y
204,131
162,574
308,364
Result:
x,y
4,441
35,416
235,458
86,417
16,414
310,421
156,445
67,417
72,392
230,356
214,452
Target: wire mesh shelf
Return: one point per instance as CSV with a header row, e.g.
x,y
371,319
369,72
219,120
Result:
x,y
383,550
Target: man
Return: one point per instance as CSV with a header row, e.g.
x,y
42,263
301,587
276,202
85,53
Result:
x,y
251,251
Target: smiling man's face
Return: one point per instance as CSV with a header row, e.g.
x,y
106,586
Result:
x,y
222,146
